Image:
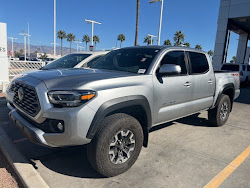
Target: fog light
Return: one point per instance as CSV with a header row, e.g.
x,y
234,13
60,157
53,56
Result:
x,y
60,126
56,126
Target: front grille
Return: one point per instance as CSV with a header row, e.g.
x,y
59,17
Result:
x,y
29,103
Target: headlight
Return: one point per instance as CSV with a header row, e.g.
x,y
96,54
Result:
x,y
70,98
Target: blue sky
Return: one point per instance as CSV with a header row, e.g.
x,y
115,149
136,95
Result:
x,y
196,18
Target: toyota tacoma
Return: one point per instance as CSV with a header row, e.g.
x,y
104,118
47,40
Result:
x,y
112,105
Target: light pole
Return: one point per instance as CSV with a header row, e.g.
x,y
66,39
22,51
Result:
x,y
92,22
159,33
54,50
54,28
24,35
151,38
12,52
77,43
28,40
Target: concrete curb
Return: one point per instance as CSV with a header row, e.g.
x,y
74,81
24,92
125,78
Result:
x,y
25,171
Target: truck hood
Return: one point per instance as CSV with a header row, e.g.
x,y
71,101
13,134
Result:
x,y
74,78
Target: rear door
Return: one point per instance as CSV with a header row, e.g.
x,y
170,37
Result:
x,y
203,81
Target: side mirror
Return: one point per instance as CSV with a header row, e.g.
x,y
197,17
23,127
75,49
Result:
x,y
169,69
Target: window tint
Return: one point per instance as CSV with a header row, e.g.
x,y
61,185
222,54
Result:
x,y
230,67
177,58
91,62
199,63
248,68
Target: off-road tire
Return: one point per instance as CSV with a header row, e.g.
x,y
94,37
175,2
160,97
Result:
x,y
98,149
214,115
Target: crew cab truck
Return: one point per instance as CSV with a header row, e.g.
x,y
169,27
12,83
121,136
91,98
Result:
x,y
112,105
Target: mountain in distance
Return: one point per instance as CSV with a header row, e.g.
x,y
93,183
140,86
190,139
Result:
x,y
43,49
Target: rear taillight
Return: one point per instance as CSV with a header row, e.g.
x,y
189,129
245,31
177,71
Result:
x,y
241,73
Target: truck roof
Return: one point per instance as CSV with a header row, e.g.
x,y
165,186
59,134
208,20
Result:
x,y
159,47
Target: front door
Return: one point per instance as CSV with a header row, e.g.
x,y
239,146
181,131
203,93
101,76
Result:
x,y
172,94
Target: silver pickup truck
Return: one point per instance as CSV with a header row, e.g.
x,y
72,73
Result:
x,y
112,105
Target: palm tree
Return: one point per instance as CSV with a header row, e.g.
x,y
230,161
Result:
x,y
198,46
167,42
71,37
179,37
233,59
43,56
121,37
86,39
137,21
210,53
61,35
187,44
96,39
147,40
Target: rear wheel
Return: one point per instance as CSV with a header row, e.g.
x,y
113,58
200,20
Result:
x,y
116,146
219,115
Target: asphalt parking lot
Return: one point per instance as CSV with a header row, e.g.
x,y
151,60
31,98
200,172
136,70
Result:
x,y
184,153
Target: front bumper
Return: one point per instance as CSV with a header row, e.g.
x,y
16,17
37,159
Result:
x,y
75,128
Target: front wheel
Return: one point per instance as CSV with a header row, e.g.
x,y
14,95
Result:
x,y
116,146
219,115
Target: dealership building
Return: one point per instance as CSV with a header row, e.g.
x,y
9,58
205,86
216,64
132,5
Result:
x,y
234,16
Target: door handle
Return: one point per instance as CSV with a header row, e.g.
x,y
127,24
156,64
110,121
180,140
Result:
x,y
210,81
187,84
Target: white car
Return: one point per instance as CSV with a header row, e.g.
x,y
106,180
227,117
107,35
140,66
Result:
x,y
243,69
75,60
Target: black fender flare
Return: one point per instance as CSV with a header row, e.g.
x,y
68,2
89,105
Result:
x,y
116,104
222,90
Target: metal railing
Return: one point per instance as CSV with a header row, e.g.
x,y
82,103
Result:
x,y
18,67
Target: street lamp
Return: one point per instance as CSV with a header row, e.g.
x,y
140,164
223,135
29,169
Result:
x,y
159,33
151,38
54,28
77,43
24,35
12,52
92,22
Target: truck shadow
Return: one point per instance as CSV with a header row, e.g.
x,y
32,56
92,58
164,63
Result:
x,y
192,120
71,161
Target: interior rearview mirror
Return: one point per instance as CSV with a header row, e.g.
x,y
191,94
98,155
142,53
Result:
x,y
170,69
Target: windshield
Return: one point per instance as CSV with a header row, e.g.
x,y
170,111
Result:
x,y
231,67
135,60
68,61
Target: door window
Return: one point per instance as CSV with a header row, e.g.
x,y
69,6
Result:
x,y
199,63
176,58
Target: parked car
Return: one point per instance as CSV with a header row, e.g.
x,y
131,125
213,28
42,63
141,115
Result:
x,y
113,105
75,60
244,71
